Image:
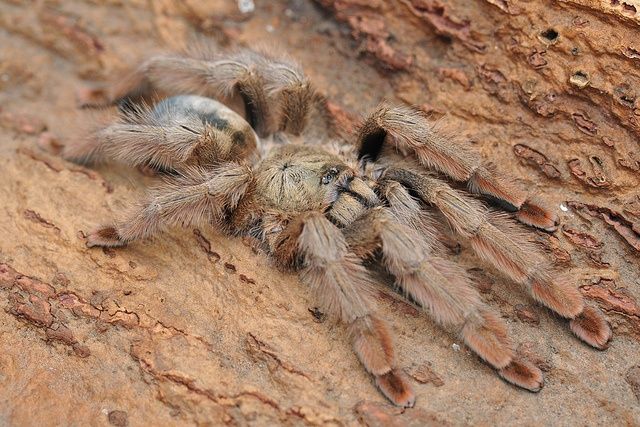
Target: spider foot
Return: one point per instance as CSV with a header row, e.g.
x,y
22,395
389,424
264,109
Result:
x,y
92,97
534,214
104,236
50,143
395,386
486,335
591,327
523,374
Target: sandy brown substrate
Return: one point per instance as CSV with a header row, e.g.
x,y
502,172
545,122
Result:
x,y
193,327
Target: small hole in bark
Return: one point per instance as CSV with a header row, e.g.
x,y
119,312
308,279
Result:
x,y
629,8
625,96
445,39
550,35
579,79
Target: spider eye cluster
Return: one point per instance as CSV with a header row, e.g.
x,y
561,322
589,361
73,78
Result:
x,y
329,176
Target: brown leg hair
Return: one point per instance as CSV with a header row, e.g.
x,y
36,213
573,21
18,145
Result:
x,y
411,212
260,80
344,289
502,243
407,130
442,289
195,197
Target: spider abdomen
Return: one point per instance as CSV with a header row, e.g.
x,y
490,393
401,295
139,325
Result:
x,y
181,107
223,134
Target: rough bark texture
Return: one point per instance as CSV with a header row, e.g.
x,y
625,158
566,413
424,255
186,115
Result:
x,y
193,327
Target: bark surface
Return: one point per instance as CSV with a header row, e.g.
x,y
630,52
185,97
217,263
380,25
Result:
x,y
193,327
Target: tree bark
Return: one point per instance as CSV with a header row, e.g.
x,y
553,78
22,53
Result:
x,y
194,327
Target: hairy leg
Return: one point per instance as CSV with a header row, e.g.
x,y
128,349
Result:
x,y
442,289
262,81
405,129
503,244
344,289
411,212
195,197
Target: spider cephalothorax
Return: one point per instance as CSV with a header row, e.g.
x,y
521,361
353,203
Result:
x,y
322,213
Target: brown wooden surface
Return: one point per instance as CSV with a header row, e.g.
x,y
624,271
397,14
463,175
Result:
x,y
197,328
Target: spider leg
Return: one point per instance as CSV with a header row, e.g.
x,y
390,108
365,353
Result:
x,y
443,290
178,131
391,128
407,210
261,81
344,289
502,243
193,197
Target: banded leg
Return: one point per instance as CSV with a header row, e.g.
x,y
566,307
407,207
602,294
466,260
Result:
x,y
196,197
443,290
502,243
264,83
407,130
344,289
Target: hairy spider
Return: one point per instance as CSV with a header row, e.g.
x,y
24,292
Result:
x,y
323,213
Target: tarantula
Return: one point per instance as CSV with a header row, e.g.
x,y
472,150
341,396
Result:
x,y
324,212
